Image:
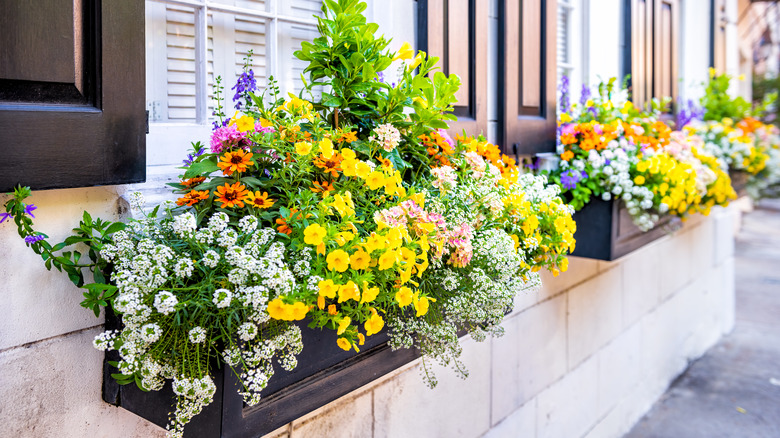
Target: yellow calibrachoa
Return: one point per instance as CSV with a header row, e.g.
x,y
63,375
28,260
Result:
x,y
303,147
374,323
359,260
375,180
278,309
343,325
314,234
369,293
344,344
327,288
349,291
404,296
338,260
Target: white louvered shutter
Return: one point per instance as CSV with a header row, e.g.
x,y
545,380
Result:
x,y
563,39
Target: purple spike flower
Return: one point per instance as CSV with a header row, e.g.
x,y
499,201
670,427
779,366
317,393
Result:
x,y
584,94
192,157
688,113
246,83
564,89
28,209
33,238
4,216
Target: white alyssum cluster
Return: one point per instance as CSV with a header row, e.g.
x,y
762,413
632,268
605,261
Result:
x,y
158,272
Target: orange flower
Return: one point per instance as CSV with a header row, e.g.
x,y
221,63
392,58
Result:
x,y
231,195
235,161
282,222
566,156
349,137
386,164
322,187
258,200
193,197
193,181
330,165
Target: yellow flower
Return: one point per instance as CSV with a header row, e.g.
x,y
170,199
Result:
x,y
344,344
639,180
344,237
374,323
404,296
359,260
343,204
374,242
564,264
245,123
303,147
338,260
565,118
332,310
375,180
349,291
421,304
394,238
387,260
326,148
314,233
348,154
362,170
278,309
405,52
343,325
589,103
328,288
530,224
420,101
361,338
406,256
417,61
369,293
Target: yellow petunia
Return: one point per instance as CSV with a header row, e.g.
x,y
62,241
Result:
x,y
369,293
404,53
349,291
343,325
387,260
344,344
326,148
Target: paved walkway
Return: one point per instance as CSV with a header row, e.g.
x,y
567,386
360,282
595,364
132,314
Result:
x,y
734,390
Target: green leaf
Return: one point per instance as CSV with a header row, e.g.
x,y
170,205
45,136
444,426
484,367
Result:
x,y
204,167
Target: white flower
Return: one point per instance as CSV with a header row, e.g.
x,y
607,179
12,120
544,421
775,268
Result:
x,y
247,331
211,258
183,268
184,224
165,302
222,298
197,335
150,333
137,201
248,224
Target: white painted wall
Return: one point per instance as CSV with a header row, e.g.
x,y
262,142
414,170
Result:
x,y
694,49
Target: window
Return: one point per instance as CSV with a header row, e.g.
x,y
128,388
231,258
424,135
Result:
x,y
456,31
191,42
527,74
654,36
71,106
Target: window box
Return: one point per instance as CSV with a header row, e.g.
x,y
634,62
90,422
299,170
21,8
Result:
x,y
605,230
739,180
324,373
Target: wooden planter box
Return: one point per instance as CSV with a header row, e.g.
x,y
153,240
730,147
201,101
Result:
x,y
605,230
324,373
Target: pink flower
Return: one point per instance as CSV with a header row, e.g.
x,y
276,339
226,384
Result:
x,y
225,138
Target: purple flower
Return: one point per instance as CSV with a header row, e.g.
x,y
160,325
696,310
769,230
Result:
x,y
218,125
593,111
584,94
380,76
191,157
533,165
688,113
4,216
571,177
246,83
28,209
607,161
33,238
564,89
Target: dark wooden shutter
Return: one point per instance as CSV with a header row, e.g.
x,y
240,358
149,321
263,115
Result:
x,y
457,32
718,30
72,93
527,75
654,35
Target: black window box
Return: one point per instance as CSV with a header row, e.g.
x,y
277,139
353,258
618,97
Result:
x,y
739,180
324,373
605,230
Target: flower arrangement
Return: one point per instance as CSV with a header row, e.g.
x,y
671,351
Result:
x,y
735,136
354,211
609,148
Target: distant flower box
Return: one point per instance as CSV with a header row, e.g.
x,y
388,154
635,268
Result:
x,y
605,231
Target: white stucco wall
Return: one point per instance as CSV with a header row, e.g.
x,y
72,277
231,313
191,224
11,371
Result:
x,y
694,49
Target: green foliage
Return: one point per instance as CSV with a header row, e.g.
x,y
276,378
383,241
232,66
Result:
x,y
717,102
91,234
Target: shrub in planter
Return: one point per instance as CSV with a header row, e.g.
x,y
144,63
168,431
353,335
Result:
x,y
352,211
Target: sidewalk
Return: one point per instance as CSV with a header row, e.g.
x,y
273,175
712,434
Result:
x,y
734,390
